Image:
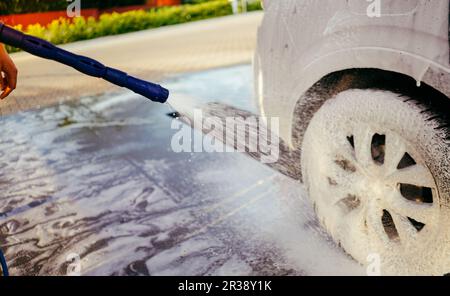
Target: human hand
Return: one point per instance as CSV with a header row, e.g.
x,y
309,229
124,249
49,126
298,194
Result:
x,y
8,73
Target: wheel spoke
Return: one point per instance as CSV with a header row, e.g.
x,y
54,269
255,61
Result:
x,y
417,175
349,202
344,183
421,212
357,222
345,152
374,222
395,150
363,144
405,229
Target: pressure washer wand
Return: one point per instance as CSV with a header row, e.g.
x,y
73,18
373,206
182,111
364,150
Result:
x,y
88,66
3,264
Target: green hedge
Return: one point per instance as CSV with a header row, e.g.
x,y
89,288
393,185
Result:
x,y
254,5
65,31
27,6
195,1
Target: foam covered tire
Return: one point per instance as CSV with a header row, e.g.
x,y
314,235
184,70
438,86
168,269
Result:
x,y
377,168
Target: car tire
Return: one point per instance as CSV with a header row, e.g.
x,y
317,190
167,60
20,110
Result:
x,y
376,166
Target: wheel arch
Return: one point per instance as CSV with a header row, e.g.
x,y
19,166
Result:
x,y
357,78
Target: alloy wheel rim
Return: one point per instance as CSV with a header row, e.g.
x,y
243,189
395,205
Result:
x,y
381,189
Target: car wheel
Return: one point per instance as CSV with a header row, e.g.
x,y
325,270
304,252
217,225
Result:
x,y
377,168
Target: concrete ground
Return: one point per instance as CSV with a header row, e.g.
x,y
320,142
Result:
x,y
153,54
95,183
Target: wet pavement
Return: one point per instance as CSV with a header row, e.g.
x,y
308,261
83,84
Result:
x,y
97,180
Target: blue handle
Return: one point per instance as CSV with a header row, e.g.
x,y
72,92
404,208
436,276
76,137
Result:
x,y
3,264
44,49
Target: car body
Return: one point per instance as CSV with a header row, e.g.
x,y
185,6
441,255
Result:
x,y
302,41
361,90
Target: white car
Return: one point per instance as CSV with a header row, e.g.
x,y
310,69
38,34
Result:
x,y
361,88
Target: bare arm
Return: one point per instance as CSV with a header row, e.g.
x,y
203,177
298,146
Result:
x,y
8,72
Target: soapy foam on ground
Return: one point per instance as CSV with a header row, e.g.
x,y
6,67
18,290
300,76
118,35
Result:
x,y
115,194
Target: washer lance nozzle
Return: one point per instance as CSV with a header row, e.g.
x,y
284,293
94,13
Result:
x,y
88,66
